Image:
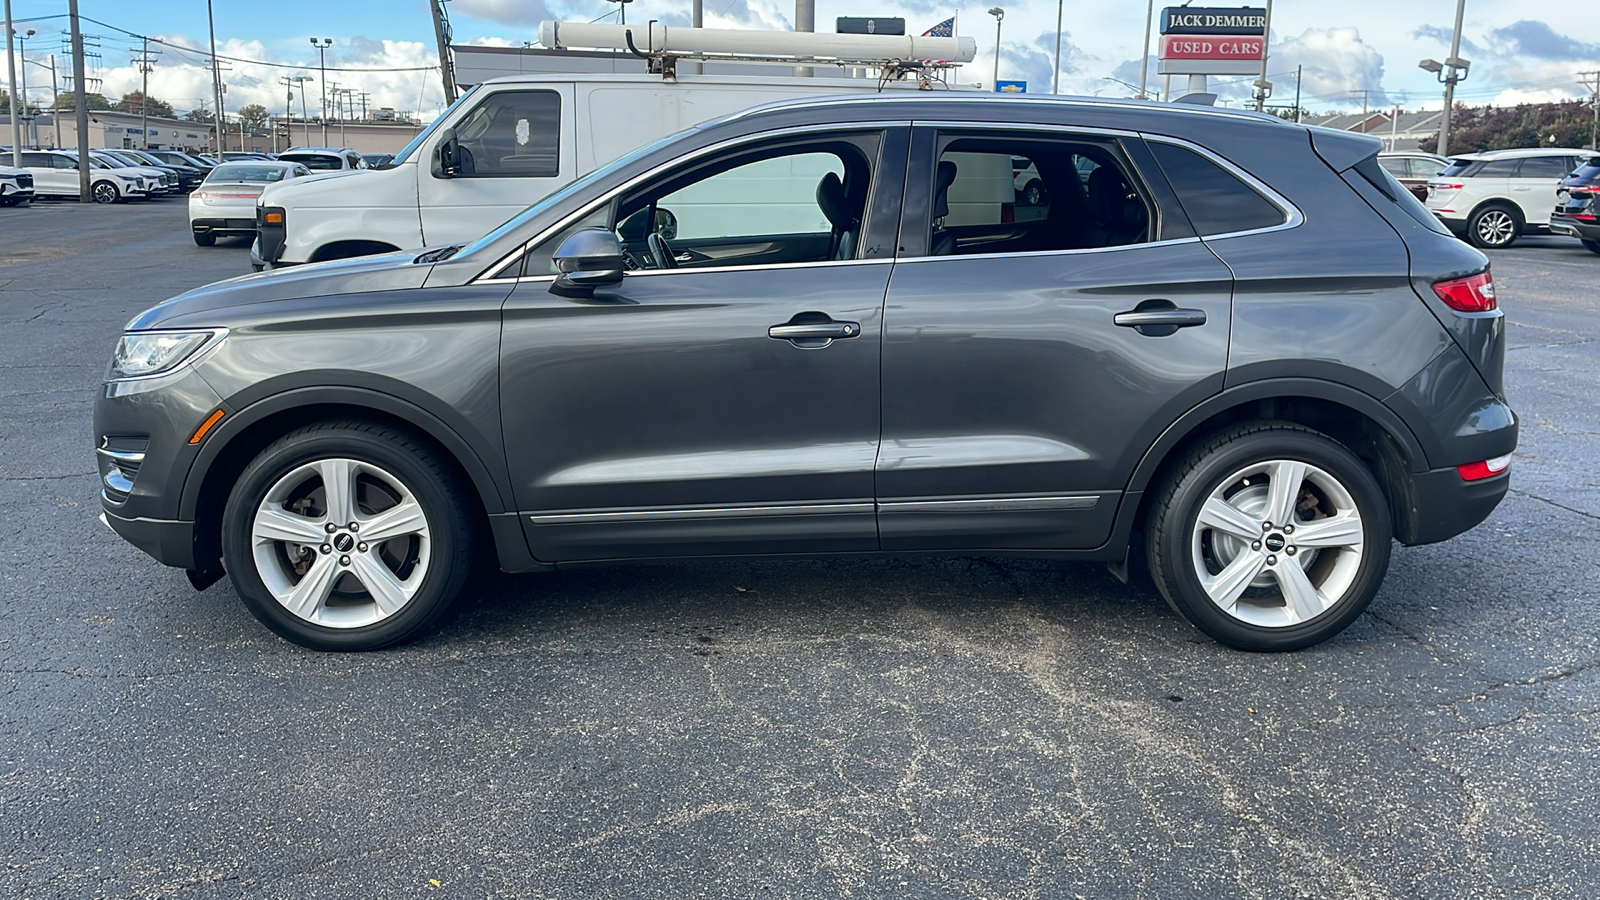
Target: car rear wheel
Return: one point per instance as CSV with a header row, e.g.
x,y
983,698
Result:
x,y
105,192
1594,246
347,536
1270,537
205,240
1033,194
1493,227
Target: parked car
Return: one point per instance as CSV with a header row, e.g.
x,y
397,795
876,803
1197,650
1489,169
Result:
x,y
225,205
179,158
325,159
1578,204
208,159
16,186
1492,198
189,176
1242,339
378,160
1413,169
502,146
55,174
162,181
236,155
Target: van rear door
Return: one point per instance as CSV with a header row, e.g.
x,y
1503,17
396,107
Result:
x,y
513,147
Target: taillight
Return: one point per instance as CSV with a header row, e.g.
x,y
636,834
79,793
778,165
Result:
x,y
1446,185
1487,468
1474,293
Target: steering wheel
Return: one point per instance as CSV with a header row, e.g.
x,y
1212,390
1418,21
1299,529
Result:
x,y
662,251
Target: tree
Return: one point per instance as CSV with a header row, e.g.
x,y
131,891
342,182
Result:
x,y
201,115
1478,128
5,105
91,100
137,102
254,116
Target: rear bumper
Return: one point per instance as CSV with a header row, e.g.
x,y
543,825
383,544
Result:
x,y
223,226
1589,231
1445,505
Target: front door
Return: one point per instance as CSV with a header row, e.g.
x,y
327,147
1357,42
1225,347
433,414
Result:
x,y
723,398
1031,343
514,147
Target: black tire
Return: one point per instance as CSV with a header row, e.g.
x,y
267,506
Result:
x,y
1174,538
105,192
431,482
1494,226
1594,246
205,240
1033,194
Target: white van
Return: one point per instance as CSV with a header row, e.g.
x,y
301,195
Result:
x,y
501,147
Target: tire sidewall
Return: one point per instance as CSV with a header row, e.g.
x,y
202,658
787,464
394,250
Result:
x,y
1191,599
1472,226
112,197
446,568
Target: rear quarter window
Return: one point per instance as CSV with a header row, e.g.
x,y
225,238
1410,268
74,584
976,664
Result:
x,y
1216,200
1397,194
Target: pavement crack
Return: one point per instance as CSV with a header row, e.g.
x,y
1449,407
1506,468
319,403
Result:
x,y
1585,514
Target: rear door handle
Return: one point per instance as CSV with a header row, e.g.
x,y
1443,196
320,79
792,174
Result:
x,y
813,335
1159,321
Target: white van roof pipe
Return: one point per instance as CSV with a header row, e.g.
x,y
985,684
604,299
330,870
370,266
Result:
x,y
657,40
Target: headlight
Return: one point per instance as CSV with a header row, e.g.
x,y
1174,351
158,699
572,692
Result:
x,y
141,353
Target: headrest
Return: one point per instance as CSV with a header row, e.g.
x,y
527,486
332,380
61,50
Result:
x,y
942,179
1108,194
835,204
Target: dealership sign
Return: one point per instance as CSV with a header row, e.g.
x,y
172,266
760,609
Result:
x,y
1212,40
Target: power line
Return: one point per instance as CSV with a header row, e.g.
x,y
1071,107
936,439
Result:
x,y
253,62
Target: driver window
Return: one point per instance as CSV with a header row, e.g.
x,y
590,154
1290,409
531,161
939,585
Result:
x,y
790,205
512,134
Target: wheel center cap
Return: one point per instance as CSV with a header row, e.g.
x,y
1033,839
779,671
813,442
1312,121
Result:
x,y
343,542
1274,542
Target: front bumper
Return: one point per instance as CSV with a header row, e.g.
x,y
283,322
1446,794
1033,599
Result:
x,y
270,237
170,542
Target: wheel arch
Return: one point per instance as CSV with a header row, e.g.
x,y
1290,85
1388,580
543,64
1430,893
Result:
x,y
1506,203
349,250
244,433
1354,418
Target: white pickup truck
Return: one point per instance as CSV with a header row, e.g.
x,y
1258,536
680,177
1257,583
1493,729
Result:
x,y
501,147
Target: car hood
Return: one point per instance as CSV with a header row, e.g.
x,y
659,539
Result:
x,y
9,171
329,188
365,274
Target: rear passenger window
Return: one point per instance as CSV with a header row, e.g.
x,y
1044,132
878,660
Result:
x,y
1216,201
1498,168
1005,194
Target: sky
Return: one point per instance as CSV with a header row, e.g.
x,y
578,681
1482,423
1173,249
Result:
x,y
1351,51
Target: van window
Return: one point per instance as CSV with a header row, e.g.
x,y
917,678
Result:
x,y
512,134
1215,199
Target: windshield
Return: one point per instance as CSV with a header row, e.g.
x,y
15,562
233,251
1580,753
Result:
x,y
575,189
246,172
405,152
1588,170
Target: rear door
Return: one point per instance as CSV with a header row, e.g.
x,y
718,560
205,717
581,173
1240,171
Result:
x,y
1015,380
515,146
1534,186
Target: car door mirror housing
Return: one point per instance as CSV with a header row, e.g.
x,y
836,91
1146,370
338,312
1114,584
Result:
x,y
447,158
589,259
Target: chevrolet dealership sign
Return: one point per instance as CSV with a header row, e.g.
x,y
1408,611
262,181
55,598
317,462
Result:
x,y
1212,41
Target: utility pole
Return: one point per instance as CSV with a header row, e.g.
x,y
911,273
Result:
x,y
1144,58
145,62
999,16
1363,99
11,80
55,114
364,95
1263,86
442,35
1055,77
81,101
1594,102
22,60
1297,71
322,66
216,80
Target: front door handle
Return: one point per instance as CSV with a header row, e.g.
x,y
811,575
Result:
x,y
1159,318
813,331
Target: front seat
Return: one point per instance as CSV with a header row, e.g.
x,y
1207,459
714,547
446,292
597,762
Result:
x,y
843,210
943,242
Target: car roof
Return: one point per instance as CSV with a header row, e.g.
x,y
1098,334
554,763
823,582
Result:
x,y
958,99
1520,152
259,162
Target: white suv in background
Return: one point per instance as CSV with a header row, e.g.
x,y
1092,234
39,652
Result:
x,y
55,174
16,186
1491,198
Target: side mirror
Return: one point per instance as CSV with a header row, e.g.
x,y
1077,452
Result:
x,y
590,259
447,159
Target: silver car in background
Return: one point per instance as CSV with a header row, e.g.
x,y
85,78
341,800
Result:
x,y
225,203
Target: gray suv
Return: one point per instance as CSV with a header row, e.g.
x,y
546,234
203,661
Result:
x,y
827,327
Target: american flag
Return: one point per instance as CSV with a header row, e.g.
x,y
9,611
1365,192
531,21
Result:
x,y
947,28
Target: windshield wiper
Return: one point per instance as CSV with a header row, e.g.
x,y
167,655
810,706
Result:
x,y
439,255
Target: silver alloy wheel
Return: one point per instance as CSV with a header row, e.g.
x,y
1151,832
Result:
x,y
1278,543
1496,227
1034,194
341,543
105,192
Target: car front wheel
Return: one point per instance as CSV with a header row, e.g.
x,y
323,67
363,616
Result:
x,y
105,192
1270,537
347,536
1493,227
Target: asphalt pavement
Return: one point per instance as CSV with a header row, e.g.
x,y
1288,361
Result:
x,y
927,728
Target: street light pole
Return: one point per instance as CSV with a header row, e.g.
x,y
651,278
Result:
x,y
22,59
1452,70
11,81
1055,77
999,14
322,66
1144,59
216,81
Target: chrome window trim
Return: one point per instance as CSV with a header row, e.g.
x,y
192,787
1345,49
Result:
x,y
493,272
992,504
600,517
1037,100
